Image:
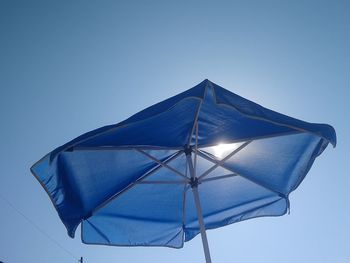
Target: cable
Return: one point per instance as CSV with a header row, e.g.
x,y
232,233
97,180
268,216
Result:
x,y
39,229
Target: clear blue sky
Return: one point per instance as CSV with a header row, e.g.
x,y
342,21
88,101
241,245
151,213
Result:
x,y
67,67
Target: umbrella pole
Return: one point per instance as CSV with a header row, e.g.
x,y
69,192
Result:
x,y
201,224
194,186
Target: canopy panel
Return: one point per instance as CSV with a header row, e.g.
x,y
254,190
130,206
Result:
x,y
231,200
145,215
79,181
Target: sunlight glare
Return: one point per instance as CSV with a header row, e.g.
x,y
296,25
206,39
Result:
x,y
221,150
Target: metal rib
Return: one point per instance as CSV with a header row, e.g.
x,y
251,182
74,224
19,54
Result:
x,y
218,177
162,164
147,174
218,163
245,177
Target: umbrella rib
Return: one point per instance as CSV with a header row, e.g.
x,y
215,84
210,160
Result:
x,y
122,125
150,147
162,182
162,164
184,206
218,177
195,150
219,163
127,147
184,201
254,138
250,116
147,174
261,118
195,121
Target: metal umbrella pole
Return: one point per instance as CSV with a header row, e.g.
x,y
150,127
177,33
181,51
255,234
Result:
x,y
194,186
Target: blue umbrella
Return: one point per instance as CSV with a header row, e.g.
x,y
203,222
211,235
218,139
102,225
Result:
x,y
200,160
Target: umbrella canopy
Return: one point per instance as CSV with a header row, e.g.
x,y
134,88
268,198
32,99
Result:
x,y
202,159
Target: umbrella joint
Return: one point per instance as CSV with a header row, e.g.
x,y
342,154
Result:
x,y
188,150
194,182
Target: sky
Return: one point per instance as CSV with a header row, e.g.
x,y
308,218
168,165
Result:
x,y
67,67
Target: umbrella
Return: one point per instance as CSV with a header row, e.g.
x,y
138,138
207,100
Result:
x,y
202,159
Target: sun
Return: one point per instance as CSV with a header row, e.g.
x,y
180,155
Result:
x,y
223,149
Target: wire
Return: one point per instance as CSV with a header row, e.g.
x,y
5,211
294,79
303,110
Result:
x,y
39,229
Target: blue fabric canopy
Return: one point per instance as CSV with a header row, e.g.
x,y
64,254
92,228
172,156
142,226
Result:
x,y
128,184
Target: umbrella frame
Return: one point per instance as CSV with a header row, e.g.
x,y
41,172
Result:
x,y
191,152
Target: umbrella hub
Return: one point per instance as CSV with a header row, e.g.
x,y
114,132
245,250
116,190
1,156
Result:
x,y
194,182
188,150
